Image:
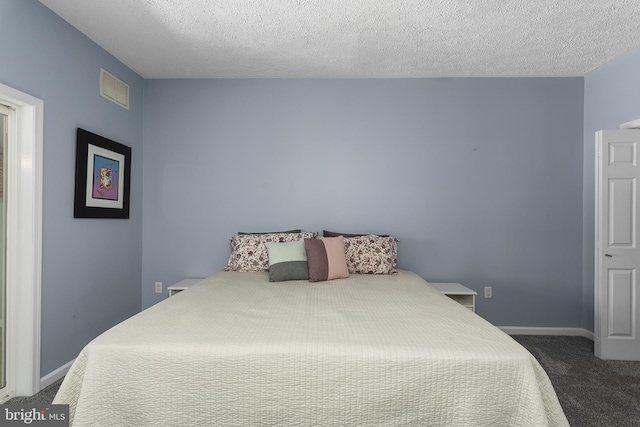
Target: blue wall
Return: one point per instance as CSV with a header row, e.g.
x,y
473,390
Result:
x,y
612,97
91,271
481,179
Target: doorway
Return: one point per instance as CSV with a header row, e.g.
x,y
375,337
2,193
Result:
x,y
4,138
22,198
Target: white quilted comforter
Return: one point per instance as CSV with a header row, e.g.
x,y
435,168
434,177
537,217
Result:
x,y
237,350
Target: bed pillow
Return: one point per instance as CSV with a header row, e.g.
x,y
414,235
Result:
x,y
326,233
371,254
249,253
287,261
272,232
326,258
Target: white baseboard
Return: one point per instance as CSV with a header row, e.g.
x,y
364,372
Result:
x,y
526,330
54,376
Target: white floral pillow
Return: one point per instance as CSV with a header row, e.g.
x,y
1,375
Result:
x,y
249,252
371,254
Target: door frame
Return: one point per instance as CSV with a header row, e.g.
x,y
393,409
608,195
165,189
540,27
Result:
x,y
633,124
6,364
24,240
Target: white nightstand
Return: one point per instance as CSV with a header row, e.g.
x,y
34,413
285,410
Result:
x,y
458,293
182,285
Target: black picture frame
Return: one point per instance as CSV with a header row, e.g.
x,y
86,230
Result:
x,y
103,177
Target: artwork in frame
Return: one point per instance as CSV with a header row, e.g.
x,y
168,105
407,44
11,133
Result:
x,y
103,175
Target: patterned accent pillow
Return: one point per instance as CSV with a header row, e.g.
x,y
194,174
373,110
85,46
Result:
x,y
326,258
287,261
371,254
249,253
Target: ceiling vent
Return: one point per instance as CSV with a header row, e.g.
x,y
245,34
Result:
x,y
114,89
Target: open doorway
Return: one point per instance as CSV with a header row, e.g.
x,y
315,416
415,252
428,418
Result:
x,y
5,114
22,205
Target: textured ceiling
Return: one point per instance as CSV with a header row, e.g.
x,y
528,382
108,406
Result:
x,y
357,38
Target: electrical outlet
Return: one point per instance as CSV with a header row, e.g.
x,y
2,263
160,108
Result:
x,y
488,292
158,287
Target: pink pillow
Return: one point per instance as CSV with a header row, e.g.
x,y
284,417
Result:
x,y
326,260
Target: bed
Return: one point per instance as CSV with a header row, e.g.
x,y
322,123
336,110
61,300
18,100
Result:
x,y
367,350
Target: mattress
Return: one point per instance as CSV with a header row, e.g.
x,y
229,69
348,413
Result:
x,y
370,350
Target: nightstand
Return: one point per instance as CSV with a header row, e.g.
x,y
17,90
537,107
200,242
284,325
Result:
x,y
459,293
182,285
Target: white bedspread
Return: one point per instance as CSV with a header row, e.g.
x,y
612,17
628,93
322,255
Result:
x,y
237,350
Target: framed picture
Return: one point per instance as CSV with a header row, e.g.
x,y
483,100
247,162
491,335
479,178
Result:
x,y
103,175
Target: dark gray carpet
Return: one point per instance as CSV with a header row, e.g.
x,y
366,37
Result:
x,y
592,392
44,397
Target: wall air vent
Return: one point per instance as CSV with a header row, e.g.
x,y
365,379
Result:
x,y
114,89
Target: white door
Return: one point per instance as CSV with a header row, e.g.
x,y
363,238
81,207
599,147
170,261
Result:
x,y
617,258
